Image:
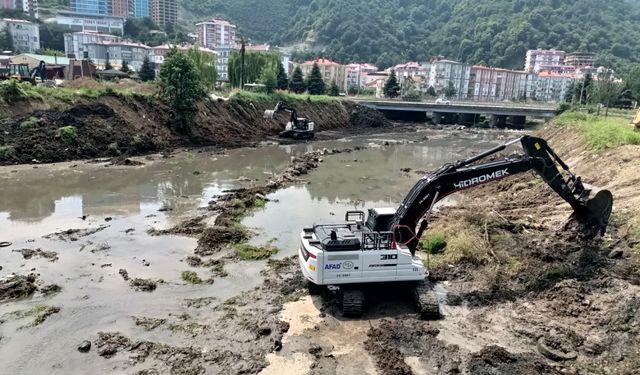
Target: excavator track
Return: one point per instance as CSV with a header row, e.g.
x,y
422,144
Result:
x,y
352,302
426,300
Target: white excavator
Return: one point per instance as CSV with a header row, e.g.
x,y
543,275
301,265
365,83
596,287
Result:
x,y
296,127
356,254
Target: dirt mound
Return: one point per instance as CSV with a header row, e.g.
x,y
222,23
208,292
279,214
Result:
x,y
52,256
365,117
214,238
494,360
17,286
115,125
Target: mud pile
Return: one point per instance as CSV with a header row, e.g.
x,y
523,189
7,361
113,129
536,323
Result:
x,y
14,287
117,126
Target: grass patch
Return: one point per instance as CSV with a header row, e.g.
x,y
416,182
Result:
x,y
246,96
114,148
601,134
218,270
191,277
7,152
68,134
250,252
149,324
259,202
434,242
39,314
30,123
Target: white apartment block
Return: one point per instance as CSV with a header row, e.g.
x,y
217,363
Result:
x,y
543,57
215,34
25,34
552,87
76,44
444,71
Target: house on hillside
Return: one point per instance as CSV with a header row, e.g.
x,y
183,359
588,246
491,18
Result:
x,y
330,70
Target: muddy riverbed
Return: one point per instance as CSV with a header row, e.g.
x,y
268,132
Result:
x,y
84,228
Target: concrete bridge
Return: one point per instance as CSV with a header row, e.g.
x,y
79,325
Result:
x,y
499,114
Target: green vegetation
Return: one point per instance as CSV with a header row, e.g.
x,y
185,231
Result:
x,y
146,73
68,134
39,313
333,90
601,134
6,41
391,86
315,83
125,67
180,86
30,123
259,202
434,242
244,97
12,91
254,64
149,324
7,152
205,65
493,32
297,85
283,80
250,252
269,79
191,277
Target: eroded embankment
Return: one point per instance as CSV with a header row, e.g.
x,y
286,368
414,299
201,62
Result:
x,y
34,130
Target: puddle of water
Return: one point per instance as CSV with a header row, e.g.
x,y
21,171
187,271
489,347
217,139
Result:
x,y
37,202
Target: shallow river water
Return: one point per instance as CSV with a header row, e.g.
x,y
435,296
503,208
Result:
x,y
125,202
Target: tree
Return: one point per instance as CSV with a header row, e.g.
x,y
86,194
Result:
x,y
50,52
450,91
584,89
205,64
297,84
125,67
6,40
431,92
180,87
147,73
254,62
633,83
334,90
315,83
391,87
606,90
269,79
283,80
107,63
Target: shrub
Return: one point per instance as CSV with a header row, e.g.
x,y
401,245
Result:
x,y
12,91
7,152
30,123
191,277
435,242
250,252
114,148
68,134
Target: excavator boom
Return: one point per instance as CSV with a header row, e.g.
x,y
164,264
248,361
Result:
x,y
589,204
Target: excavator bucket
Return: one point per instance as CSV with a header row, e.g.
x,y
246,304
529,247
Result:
x,y
598,205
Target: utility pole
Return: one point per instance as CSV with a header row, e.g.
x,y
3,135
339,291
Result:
x,y
242,50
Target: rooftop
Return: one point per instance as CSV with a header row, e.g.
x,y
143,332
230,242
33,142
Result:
x,y
49,60
13,20
321,62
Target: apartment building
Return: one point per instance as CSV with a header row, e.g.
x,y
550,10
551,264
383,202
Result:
x,y
357,74
443,71
580,60
117,52
552,87
164,12
543,57
25,34
88,22
92,7
157,54
76,44
29,7
123,8
330,70
216,33
489,84
141,9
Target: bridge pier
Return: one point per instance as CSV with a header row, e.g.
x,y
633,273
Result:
x,y
468,119
518,121
444,118
498,121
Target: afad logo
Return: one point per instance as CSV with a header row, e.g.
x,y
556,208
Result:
x,y
332,266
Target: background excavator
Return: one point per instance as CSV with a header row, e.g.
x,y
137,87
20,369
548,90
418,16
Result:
x,y
297,127
356,254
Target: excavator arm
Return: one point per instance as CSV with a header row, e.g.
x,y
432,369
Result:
x,y
588,203
282,106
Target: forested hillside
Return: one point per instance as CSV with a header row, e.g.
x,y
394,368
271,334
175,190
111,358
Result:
x,y
496,32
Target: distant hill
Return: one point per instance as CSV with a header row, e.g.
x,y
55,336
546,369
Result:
x,y
495,32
